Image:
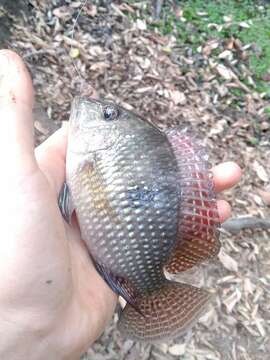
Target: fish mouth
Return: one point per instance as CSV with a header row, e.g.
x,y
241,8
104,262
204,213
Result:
x,y
95,138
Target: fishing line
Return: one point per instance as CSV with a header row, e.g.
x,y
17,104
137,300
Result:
x,y
72,39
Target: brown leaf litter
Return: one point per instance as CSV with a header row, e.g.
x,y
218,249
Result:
x,y
112,49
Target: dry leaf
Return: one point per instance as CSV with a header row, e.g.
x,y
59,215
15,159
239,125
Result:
x,y
244,55
209,317
210,45
99,67
222,90
249,287
258,200
230,44
227,18
265,195
126,7
75,4
178,97
141,24
144,62
260,171
163,347
225,72
231,300
62,12
250,104
91,10
265,125
215,26
218,127
177,349
238,44
202,13
74,53
244,24
95,50
144,90
89,91
227,261
167,49
226,54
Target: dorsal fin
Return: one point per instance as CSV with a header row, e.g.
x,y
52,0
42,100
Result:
x,y
198,221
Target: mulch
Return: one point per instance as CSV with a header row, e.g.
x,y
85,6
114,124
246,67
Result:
x,y
112,49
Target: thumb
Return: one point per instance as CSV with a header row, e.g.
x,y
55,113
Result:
x,y
16,123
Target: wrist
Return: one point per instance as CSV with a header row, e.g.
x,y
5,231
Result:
x,y
32,337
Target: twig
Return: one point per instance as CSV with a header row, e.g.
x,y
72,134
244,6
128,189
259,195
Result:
x,y
158,7
234,226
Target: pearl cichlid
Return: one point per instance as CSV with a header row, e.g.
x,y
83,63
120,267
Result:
x,y
145,203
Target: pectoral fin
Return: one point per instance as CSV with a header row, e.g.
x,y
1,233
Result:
x,y
65,203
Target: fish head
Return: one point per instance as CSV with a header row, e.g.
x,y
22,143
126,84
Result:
x,y
98,125
92,126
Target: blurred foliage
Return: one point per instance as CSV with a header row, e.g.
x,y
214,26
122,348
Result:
x,y
193,22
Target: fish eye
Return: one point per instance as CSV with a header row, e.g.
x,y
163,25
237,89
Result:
x,y
110,112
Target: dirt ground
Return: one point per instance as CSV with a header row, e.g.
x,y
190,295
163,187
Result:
x,y
112,49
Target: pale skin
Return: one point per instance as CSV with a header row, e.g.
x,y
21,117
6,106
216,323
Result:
x,y
53,304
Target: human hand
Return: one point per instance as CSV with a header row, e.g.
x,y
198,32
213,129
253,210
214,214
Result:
x,y
53,304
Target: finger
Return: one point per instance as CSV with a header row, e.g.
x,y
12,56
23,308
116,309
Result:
x,y
51,158
16,125
226,175
224,210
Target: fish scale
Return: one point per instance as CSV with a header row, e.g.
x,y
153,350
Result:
x,y
144,202
119,213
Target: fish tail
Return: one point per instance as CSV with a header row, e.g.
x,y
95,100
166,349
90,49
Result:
x,y
165,313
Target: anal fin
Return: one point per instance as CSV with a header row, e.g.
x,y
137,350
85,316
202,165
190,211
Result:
x,y
119,285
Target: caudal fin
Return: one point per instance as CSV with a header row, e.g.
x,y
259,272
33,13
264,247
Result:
x,y
168,313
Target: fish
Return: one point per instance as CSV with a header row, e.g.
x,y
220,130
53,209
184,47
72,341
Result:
x,y
145,203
